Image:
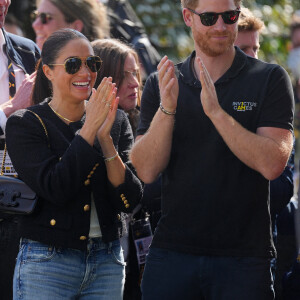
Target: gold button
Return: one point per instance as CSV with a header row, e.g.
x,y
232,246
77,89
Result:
x,y
86,207
52,222
83,238
87,182
123,198
122,195
94,168
127,205
119,217
125,202
89,176
92,172
97,164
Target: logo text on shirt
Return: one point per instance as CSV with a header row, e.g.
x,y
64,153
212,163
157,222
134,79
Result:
x,y
244,106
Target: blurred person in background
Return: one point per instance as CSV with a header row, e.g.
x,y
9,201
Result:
x,y
18,57
249,29
281,188
121,62
12,25
86,16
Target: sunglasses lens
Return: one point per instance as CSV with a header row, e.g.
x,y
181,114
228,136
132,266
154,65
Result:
x,y
33,15
94,63
230,17
44,18
208,19
73,65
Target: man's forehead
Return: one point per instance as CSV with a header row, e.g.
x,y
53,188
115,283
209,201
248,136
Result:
x,y
216,4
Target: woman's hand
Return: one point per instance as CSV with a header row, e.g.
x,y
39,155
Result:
x,y
99,104
103,132
98,108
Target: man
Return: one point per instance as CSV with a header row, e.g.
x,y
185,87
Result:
x,y
18,57
218,127
282,188
249,28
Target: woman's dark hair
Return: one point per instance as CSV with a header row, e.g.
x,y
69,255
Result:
x,y
113,53
51,49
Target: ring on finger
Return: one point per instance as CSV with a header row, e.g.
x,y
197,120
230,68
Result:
x,y
107,104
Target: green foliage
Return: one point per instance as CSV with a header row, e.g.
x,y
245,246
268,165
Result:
x,y
164,24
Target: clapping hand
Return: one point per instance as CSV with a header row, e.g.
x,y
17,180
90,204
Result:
x,y
168,84
208,94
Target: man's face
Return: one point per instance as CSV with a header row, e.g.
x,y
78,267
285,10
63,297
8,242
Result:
x,y
296,38
248,41
216,39
4,4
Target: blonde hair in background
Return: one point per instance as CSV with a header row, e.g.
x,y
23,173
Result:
x,y
249,22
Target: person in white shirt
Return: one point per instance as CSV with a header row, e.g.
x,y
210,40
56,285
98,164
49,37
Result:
x,y
18,57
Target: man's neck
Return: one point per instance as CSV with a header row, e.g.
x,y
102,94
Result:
x,y
217,65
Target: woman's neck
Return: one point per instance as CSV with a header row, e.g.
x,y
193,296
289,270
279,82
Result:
x,y
67,111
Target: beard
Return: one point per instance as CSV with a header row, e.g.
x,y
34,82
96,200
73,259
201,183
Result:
x,y
214,48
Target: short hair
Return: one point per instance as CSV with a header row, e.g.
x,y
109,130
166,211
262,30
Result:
x,y
194,3
248,22
113,53
91,12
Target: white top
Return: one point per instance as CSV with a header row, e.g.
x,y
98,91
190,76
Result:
x,y
19,75
95,230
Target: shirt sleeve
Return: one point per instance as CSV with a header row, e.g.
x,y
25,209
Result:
x,y
278,107
149,103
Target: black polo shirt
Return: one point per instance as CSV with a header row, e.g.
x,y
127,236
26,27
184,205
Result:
x,y
212,203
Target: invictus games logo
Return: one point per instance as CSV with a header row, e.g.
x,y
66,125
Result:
x,y
244,106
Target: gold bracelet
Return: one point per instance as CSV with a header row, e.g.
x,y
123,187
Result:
x,y
165,111
111,158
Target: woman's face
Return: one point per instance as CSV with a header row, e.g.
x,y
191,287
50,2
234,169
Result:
x,y
128,90
72,87
54,21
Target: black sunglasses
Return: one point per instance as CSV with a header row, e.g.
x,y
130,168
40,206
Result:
x,y
210,18
73,64
45,17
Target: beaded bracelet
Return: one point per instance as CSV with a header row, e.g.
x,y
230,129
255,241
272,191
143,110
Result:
x,y
165,111
111,158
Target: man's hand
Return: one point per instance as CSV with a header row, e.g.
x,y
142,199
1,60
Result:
x,y
208,95
168,84
22,98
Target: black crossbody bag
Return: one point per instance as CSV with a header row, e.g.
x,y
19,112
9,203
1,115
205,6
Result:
x,y
15,196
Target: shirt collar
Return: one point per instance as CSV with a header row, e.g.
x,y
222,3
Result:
x,y
186,71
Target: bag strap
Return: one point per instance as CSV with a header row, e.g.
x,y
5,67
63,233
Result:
x,y
43,124
5,149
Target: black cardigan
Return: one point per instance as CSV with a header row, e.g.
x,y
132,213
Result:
x,y
65,175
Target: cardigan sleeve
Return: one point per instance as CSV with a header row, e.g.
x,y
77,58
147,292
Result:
x,y
126,196
56,179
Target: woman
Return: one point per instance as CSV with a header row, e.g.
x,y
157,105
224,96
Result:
x,y
70,245
121,62
87,16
